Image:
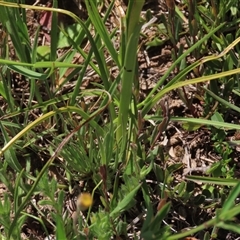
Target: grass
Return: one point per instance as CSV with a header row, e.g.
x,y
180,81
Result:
x,y
83,164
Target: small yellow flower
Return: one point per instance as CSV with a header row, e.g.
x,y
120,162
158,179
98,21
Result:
x,y
84,201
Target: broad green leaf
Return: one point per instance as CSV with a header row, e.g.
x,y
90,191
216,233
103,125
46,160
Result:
x,y
160,215
60,229
152,227
124,203
72,32
146,170
217,117
43,53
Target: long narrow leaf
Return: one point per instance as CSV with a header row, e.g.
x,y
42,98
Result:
x,y
101,29
212,180
230,201
158,96
127,82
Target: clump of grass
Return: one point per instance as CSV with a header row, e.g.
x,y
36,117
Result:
x,y
88,142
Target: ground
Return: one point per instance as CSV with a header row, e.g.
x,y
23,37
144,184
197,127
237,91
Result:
x,y
190,151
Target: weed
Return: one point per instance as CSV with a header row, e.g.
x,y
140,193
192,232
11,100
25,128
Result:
x,y
94,163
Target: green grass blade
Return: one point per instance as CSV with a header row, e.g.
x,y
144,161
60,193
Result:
x,y
230,201
212,180
101,29
183,83
127,82
221,100
147,102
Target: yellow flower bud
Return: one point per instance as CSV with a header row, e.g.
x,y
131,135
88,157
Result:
x,y
84,201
